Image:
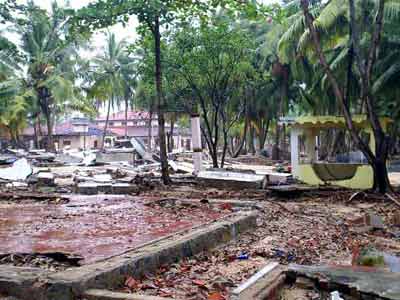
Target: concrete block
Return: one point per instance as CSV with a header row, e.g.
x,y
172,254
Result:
x,y
368,282
230,179
45,178
123,188
87,188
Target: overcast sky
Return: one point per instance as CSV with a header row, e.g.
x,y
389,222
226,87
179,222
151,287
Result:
x,y
98,39
120,31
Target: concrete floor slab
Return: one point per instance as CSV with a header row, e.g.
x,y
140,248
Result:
x,y
366,281
71,283
93,227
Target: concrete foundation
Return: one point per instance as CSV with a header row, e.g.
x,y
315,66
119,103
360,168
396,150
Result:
x,y
34,283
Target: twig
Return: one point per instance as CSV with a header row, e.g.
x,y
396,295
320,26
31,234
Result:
x,y
393,199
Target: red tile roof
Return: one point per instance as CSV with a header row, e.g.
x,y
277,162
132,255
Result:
x,y
67,128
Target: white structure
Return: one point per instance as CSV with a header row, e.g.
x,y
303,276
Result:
x,y
196,142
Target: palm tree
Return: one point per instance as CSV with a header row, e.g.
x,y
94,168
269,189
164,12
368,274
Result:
x,y
49,60
109,80
129,77
333,25
115,77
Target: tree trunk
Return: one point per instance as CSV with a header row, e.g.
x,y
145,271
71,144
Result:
x,y
236,152
50,141
224,149
210,145
106,124
35,131
171,136
252,148
214,157
275,148
263,134
377,160
126,117
160,103
150,132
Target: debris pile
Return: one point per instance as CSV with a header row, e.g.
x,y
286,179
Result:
x,y
301,231
51,261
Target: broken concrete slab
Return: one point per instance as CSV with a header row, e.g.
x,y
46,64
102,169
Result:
x,y
96,294
72,283
181,167
17,185
262,285
296,189
87,188
19,171
123,188
230,179
7,159
363,280
275,178
45,178
13,278
93,188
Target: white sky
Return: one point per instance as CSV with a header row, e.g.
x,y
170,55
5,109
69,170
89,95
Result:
x,y
128,32
98,40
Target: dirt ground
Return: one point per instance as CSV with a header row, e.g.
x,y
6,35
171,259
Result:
x,y
316,228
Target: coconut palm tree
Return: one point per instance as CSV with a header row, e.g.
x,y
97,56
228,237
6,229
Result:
x,y
345,56
130,82
114,78
49,60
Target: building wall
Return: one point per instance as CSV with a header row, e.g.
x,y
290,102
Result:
x,y
77,141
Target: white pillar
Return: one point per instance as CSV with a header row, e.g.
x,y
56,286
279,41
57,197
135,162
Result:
x,y
310,145
196,142
294,150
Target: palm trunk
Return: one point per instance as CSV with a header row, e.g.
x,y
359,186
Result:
x,y
150,129
35,132
275,148
106,124
50,141
126,118
377,160
252,148
160,103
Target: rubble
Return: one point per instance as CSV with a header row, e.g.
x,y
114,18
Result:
x,y
262,285
234,179
51,261
297,230
363,282
297,224
19,171
45,178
